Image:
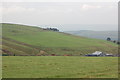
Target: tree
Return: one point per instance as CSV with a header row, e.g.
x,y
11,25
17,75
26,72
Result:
x,y
14,54
108,39
118,42
114,41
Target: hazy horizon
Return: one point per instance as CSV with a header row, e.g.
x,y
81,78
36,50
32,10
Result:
x,y
66,16
73,27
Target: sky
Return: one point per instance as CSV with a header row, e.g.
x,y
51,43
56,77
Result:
x,y
66,16
59,1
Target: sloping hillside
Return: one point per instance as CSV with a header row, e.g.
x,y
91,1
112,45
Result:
x,y
29,40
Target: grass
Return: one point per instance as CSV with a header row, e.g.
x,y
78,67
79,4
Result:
x,y
29,40
17,48
59,67
38,37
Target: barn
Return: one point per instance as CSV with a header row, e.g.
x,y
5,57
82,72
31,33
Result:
x,y
96,53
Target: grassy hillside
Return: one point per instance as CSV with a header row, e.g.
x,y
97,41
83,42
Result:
x,y
29,40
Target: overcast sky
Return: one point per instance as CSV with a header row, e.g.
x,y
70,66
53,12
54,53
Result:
x,y
63,15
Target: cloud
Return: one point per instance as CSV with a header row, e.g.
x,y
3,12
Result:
x,y
60,0
87,7
16,9
59,13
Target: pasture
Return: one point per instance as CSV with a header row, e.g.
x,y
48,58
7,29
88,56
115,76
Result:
x,y
59,67
31,40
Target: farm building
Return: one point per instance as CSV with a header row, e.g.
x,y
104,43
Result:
x,y
98,53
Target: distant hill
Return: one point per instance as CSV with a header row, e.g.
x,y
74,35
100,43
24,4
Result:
x,y
96,34
31,40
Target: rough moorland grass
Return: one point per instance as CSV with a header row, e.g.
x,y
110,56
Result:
x,y
59,67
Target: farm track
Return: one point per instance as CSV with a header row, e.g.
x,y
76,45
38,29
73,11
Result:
x,y
16,45
21,43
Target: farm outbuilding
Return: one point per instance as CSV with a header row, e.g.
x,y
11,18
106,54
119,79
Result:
x,y
98,53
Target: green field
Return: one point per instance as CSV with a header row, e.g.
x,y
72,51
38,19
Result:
x,y
59,67
29,40
29,50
